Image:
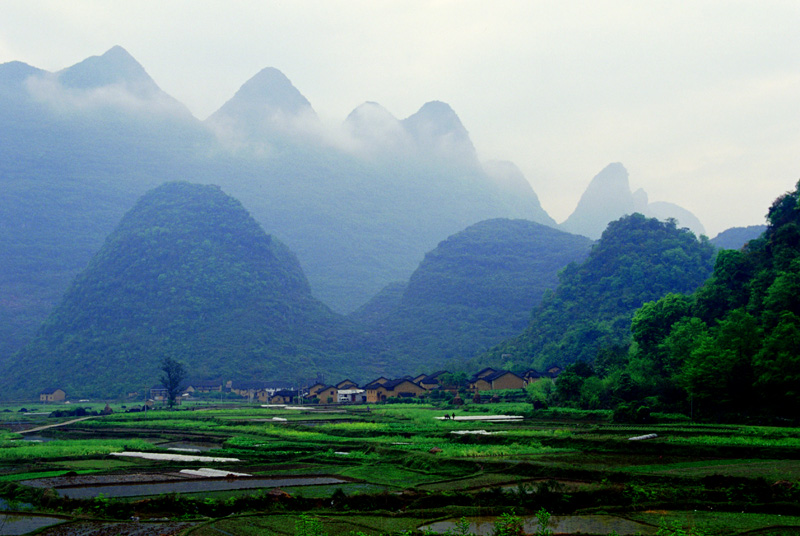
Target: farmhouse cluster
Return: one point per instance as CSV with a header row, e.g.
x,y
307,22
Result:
x,y
349,392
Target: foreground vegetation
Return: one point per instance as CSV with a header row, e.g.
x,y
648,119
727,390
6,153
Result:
x,y
398,467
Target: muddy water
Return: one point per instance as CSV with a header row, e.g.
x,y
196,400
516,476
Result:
x,y
191,486
588,524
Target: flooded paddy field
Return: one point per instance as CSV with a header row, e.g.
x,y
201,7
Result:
x,y
580,524
398,467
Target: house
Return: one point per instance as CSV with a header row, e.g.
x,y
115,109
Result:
x,y
431,381
352,396
314,389
284,396
481,373
553,371
204,386
402,388
501,379
346,384
328,395
159,393
52,394
531,376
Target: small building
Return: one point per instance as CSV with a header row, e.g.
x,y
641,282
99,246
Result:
x,y
532,376
352,396
431,381
328,395
314,389
284,396
501,379
52,394
203,386
346,384
401,388
159,393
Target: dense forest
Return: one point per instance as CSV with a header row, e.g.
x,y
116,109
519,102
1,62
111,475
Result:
x,y
727,351
637,259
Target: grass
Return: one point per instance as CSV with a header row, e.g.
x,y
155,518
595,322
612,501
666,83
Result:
x,y
67,448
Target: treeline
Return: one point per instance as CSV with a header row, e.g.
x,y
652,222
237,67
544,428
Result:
x,y
728,351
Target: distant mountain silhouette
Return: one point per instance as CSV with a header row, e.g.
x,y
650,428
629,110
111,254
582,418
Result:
x,y
267,105
609,196
737,237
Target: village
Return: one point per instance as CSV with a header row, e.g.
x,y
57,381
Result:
x,y
344,392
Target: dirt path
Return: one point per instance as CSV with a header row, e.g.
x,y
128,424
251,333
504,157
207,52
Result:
x,y
40,428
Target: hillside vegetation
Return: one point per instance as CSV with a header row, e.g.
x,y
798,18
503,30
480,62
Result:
x,y
187,274
637,260
474,290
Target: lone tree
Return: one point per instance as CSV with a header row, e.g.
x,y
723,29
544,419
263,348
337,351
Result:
x,y
172,379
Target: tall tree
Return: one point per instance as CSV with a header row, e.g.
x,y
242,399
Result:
x,y
172,378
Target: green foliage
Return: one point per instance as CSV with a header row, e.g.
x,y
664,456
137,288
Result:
x,y
543,518
637,260
474,290
307,525
173,377
508,525
730,350
188,275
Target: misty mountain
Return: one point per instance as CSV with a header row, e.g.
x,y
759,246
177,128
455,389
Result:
x,y
473,290
189,274
609,196
81,145
737,237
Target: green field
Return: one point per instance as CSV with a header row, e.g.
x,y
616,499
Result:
x,y
397,467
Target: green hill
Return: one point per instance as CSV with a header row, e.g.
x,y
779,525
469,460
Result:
x,y
730,350
472,291
637,259
190,275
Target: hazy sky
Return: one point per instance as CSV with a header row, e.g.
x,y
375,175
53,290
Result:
x,y
700,100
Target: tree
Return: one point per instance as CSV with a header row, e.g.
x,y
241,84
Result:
x,y
172,379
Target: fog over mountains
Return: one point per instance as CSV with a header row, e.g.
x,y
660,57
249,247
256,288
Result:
x,y
359,204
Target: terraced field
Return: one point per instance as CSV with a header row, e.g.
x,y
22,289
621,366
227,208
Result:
x,y
393,468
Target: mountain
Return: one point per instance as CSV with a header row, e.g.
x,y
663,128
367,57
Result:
x,y
517,190
266,107
187,274
80,146
637,260
609,197
737,237
473,290
72,161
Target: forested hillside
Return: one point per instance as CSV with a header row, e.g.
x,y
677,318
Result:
x,y
187,274
731,350
637,259
471,292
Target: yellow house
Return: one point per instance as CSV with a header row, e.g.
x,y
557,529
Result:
x,y
502,379
329,395
403,388
53,394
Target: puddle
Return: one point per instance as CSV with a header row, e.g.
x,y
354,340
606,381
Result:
x,y
482,418
588,524
189,446
173,457
191,486
22,524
